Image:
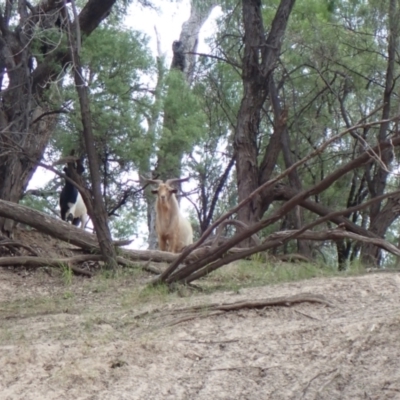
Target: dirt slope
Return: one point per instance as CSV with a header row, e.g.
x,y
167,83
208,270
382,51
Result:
x,y
85,342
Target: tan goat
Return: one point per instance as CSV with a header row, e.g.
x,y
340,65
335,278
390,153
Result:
x,y
173,229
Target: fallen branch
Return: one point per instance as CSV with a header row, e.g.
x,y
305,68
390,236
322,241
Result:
x,y
70,261
146,266
48,262
61,230
335,234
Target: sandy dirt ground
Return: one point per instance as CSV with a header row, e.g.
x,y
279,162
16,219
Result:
x,y
88,342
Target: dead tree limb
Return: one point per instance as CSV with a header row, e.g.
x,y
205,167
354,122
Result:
x,y
48,224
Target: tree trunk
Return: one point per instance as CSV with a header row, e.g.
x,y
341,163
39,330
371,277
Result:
x,y
303,247
260,56
21,154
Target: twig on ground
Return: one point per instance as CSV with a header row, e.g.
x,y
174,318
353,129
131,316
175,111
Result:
x,y
306,315
315,377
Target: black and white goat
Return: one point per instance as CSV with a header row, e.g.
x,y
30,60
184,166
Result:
x,y
72,206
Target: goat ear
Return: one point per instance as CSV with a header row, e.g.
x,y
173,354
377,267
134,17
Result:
x,y
154,191
174,190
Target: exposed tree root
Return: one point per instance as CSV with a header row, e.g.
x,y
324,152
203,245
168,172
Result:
x,y
209,310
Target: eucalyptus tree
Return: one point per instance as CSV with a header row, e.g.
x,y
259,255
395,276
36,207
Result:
x,y
335,66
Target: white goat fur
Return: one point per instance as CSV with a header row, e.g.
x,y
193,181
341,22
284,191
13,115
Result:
x,y
78,210
173,229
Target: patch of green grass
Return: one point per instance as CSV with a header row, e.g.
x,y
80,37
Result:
x,y
40,305
255,272
66,274
67,295
158,293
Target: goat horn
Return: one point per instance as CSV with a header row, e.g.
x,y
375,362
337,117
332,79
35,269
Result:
x,y
176,180
155,181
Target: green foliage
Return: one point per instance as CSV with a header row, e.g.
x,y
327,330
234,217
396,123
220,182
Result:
x,y
184,121
115,63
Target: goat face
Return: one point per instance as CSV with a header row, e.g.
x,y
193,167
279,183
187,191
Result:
x,y
164,192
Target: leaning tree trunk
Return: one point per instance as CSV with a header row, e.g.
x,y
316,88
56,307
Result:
x,y
260,55
28,106
183,60
99,213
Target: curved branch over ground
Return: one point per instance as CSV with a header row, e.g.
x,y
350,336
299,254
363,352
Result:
x,y
363,159
193,272
219,258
